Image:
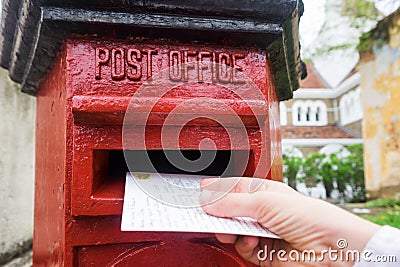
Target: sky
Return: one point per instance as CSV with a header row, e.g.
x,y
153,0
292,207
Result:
x,y
386,6
315,15
312,20
336,64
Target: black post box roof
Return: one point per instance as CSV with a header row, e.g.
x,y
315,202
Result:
x,y
32,31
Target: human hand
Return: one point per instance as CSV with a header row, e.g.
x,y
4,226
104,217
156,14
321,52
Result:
x,y
302,222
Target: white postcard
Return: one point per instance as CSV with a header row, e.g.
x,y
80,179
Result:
x,y
170,202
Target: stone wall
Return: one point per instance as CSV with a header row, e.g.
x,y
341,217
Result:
x,y
380,71
17,135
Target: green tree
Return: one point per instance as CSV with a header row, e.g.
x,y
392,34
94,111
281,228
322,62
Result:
x,y
359,16
327,174
341,173
357,9
311,169
349,171
357,181
292,166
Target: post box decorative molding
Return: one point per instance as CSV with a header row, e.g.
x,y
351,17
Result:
x,y
118,82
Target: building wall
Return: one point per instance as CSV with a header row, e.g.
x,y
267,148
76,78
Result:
x,y
354,127
350,108
17,131
331,113
380,71
289,105
349,103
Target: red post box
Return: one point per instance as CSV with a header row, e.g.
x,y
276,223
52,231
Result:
x,y
120,81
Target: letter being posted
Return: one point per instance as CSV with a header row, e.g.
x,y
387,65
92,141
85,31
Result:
x,y
169,202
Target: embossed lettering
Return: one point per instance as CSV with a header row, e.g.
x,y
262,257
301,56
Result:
x,y
175,70
214,68
149,53
201,65
187,63
224,60
237,68
102,58
118,70
132,57
130,63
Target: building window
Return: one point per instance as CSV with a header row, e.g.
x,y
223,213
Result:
x,y
283,113
317,116
299,114
350,107
309,113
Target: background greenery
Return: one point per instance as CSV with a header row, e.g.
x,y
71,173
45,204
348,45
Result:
x,y
340,171
388,212
336,171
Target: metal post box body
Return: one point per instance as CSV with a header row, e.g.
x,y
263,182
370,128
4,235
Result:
x,y
79,122
99,106
90,80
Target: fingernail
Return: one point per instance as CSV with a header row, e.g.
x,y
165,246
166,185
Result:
x,y
205,196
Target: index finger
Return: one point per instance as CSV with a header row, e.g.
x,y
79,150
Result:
x,y
243,185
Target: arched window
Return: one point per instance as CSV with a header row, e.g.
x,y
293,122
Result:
x,y
350,107
321,113
299,114
283,113
312,113
358,111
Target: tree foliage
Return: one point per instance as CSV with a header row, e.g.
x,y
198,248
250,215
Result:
x,y
293,166
354,17
311,169
360,9
334,171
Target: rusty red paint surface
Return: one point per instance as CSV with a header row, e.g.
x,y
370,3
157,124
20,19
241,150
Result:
x,y
80,111
84,67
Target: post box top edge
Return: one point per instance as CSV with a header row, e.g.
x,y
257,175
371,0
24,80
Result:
x,y
28,33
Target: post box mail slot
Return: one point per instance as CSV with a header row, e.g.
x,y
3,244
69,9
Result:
x,y
100,164
120,81
111,166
